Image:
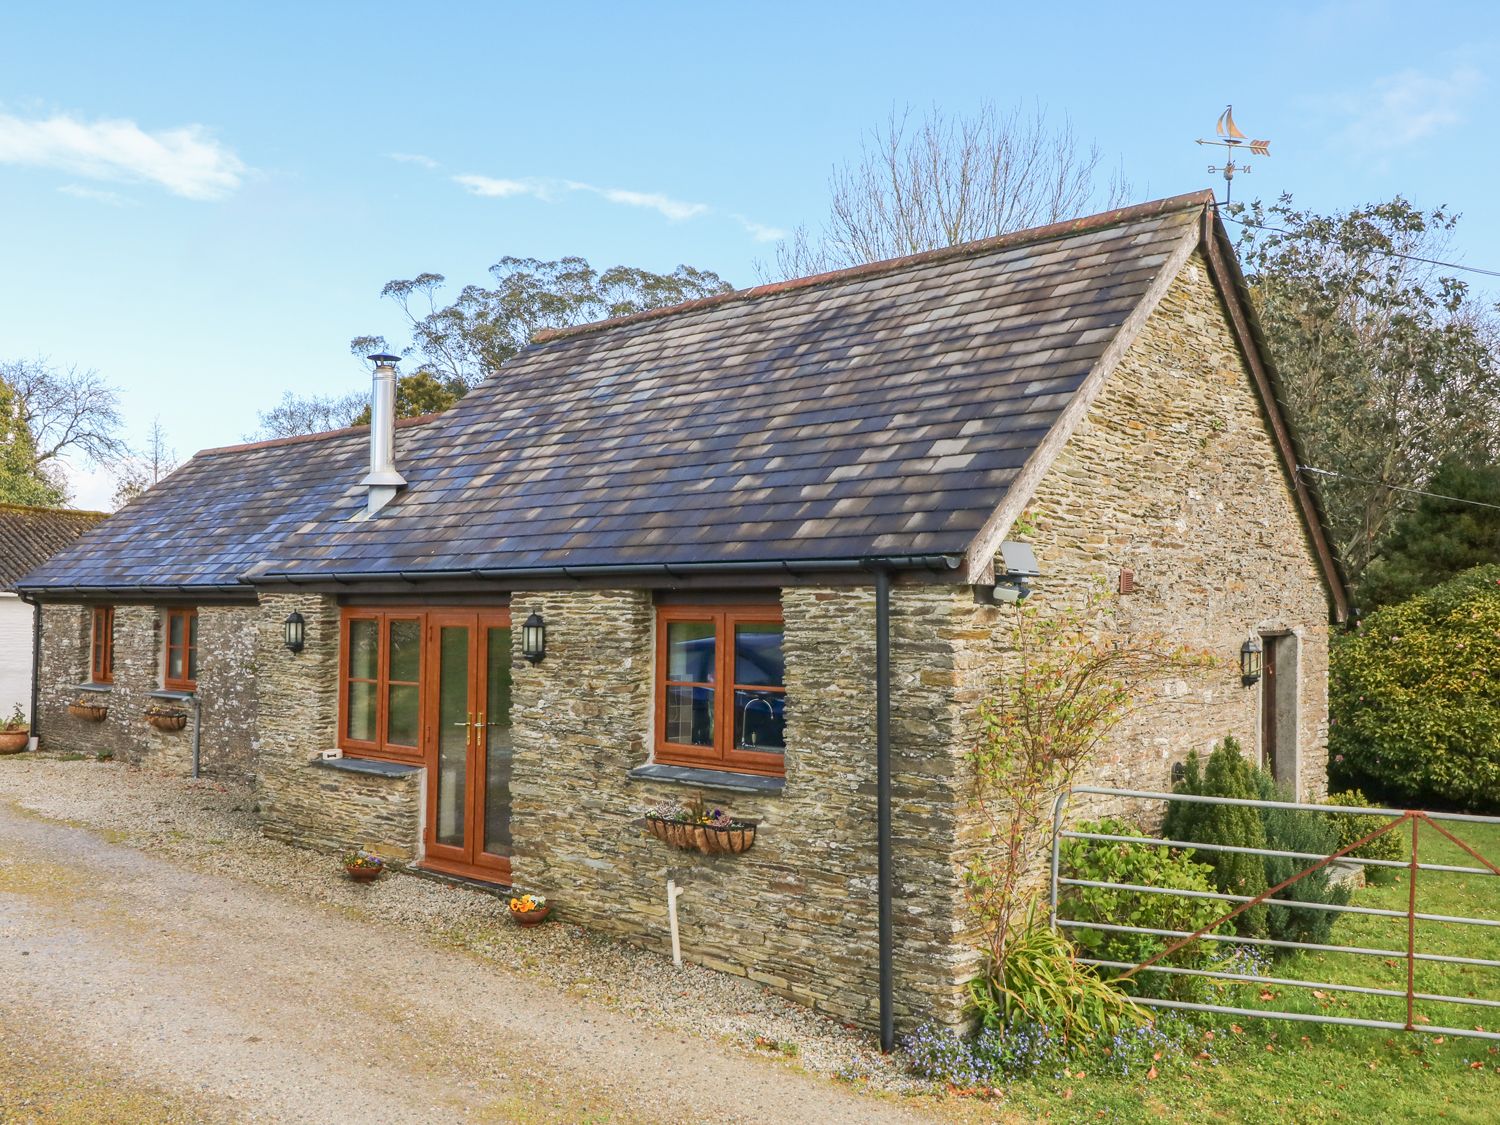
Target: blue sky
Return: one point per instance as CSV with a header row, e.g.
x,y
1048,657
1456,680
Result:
x,y
203,201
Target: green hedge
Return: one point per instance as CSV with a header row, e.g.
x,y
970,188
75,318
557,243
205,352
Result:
x,y
1414,698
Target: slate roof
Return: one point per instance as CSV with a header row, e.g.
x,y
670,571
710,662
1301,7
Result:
x,y
878,411
31,536
214,517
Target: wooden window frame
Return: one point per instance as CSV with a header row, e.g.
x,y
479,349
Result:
x,y
188,681
723,754
381,748
102,645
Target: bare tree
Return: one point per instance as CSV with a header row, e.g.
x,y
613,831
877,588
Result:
x,y
945,180
138,472
70,413
310,414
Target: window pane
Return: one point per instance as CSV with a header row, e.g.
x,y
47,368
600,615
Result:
x,y
361,726
192,652
174,630
364,647
401,714
760,720
174,664
757,654
405,654
453,734
690,716
690,651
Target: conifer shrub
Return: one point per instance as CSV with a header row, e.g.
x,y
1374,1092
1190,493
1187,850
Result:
x,y
1228,774
1311,833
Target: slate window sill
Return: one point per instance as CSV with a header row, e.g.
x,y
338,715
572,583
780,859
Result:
x,y
708,779
367,766
172,695
98,689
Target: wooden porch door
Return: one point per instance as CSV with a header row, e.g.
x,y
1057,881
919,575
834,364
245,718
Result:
x,y
1270,718
468,744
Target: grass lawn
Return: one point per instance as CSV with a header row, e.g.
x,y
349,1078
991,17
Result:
x,y
1275,1070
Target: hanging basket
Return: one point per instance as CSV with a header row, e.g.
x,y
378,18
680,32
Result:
x,y
703,838
166,721
88,712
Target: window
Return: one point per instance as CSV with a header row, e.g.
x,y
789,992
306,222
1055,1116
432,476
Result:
x,y
380,704
182,650
721,692
102,663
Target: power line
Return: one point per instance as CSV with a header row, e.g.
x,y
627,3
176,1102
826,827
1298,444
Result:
x,y
1397,487
1377,253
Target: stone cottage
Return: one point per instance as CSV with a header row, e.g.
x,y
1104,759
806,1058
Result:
x,y
28,537
760,548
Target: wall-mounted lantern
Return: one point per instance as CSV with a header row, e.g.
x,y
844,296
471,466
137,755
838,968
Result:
x,y
1250,661
294,630
534,638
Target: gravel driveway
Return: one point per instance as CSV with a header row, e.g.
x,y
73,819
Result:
x,y
254,1003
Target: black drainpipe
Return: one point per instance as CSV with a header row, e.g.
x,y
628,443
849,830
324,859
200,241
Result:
x,y
883,799
36,664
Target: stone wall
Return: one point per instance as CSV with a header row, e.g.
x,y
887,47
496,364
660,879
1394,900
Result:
x,y
301,803
226,689
798,911
1173,475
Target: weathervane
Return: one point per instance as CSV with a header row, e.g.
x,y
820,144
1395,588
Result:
x,y
1231,138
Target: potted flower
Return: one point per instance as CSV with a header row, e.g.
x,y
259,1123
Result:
x,y
15,732
530,910
166,718
88,710
363,866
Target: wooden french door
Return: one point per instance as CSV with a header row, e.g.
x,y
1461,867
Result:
x,y
468,743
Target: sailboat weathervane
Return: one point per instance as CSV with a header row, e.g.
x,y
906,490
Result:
x,y
1231,138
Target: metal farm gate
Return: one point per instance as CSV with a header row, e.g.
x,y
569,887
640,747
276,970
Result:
x,y
1397,820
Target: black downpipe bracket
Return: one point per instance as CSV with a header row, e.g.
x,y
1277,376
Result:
x,y
883,801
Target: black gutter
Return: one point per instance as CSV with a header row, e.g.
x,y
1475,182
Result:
x,y
883,802
36,593
620,570
36,663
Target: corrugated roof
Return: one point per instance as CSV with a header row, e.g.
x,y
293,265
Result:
x,y
218,514
880,411
31,536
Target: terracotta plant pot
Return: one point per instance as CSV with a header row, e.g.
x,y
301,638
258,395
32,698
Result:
x,y
167,722
13,741
88,712
530,917
363,874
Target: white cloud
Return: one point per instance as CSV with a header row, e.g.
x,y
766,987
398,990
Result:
x,y
186,161
550,190
415,158
1406,107
491,188
674,209
98,195
759,231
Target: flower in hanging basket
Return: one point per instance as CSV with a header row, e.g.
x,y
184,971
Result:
x,y
363,866
529,910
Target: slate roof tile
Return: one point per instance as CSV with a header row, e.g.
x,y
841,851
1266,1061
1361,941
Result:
x,y
882,410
